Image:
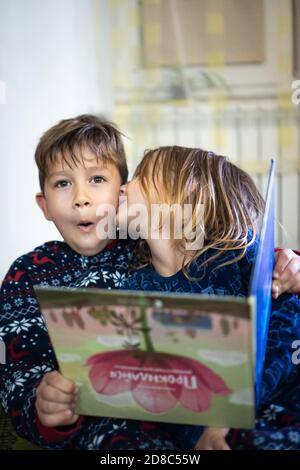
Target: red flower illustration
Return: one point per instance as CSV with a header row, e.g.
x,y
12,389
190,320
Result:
x,y
157,381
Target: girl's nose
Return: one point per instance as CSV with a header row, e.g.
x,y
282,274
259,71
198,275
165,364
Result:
x,y
123,190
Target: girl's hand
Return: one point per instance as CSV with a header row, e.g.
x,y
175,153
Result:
x,y
213,439
55,400
286,275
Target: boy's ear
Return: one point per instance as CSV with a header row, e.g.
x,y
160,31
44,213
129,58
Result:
x,y
42,203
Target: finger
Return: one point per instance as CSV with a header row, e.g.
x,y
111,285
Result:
x,y
291,288
284,257
295,289
220,444
275,289
50,407
291,273
50,393
55,379
203,445
63,418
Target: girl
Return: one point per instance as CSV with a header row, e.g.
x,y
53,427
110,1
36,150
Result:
x,y
171,175
219,259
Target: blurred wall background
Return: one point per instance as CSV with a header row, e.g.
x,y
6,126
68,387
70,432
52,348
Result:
x,y
54,65
222,82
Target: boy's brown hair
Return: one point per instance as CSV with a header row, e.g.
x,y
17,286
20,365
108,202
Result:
x,y
69,137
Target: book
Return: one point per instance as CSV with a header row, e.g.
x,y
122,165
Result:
x,y
165,357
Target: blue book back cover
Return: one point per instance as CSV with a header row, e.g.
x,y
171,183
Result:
x,y
262,280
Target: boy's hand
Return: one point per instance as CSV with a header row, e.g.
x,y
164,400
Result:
x,y
286,273
213,439
55,400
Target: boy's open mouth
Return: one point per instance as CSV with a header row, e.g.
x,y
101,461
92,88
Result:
x,y
86,226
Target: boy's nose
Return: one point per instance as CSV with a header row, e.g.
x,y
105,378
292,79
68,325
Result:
x,y
82,199
81,203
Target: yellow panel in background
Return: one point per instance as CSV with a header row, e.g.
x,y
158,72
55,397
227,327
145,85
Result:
x,y
137,94
257,167
134,56
153,115
284,100
216,59
153,75
287,137
133,17
116,3
287,166
129,145
122,118
121,78
152,34
290,165
139,135
181,103
118,38
284,63
218,101
214,23
283,24
220,137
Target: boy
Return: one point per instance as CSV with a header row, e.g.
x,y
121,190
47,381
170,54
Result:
x,y
81,164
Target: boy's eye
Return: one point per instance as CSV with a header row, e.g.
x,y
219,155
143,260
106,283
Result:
x,y
97,179
61,184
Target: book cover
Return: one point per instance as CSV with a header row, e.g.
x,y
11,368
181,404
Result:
x,y
160,357
166,357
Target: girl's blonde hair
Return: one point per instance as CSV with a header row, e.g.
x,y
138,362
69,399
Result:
x,y
231,202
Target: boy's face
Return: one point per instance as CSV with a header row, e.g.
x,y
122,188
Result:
x,y
72,196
